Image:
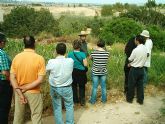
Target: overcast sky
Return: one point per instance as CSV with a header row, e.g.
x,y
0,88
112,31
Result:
x,y
97,1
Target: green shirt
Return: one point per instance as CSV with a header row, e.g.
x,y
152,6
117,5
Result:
x,y
81,56
5,63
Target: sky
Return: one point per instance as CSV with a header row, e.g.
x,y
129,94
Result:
x,y
98,1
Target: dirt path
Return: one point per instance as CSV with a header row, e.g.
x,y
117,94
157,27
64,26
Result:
x,y
118,113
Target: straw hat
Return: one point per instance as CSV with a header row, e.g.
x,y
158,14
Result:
x,y
145,33
83,33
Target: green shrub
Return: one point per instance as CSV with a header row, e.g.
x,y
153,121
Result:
x,y
158,36
25,20
120,30
106,10
146,16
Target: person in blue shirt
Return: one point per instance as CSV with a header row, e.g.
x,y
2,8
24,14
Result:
x,y
6,90
79,73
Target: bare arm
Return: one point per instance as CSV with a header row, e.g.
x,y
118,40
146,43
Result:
x,y
85,62
17,89
33,84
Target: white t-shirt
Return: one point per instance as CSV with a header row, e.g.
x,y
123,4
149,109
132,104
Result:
x,y
60,71
138,56
149,46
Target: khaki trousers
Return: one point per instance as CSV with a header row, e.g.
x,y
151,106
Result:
x,y
36,105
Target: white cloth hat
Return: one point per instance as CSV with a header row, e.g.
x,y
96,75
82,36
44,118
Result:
x,y
83,33
145,33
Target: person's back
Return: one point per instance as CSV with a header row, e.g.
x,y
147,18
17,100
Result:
x,y
62,77
149,46
26,74
60,80
26,66
136,74
100,60
139,60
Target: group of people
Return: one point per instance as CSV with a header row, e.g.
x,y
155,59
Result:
x,y
67,76
67,79
138,60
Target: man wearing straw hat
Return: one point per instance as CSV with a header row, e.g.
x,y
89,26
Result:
x,y
84,48
149,45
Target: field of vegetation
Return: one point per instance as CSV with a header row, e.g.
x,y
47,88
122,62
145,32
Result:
x,y
115,31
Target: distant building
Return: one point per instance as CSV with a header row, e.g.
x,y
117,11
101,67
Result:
x,y
1,15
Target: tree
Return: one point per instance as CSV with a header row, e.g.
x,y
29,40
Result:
x,y
26,21
118,7
151,3
120,30
106,10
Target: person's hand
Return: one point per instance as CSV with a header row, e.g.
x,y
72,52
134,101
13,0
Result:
x,y
23,100
129,65
23,88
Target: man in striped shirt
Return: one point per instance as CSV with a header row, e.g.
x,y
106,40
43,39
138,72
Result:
x,y
99,71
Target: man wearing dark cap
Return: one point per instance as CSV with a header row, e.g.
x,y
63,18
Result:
x,y
5,87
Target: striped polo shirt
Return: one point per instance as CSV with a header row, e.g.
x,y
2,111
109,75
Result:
x,y
100,60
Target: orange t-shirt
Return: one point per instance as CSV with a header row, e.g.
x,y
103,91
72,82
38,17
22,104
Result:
x,y
27,66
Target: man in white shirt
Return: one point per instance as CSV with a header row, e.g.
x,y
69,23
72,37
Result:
x,y
135,79
149,45
60,80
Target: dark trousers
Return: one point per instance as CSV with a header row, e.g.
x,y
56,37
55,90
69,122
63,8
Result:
x,y
6,92
78,96
126,72
78,86
135,81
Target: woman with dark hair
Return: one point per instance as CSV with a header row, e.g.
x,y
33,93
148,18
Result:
x,y
79,73
99,71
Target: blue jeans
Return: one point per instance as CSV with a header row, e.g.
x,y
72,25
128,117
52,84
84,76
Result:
x,y
145,76
95,80
65,93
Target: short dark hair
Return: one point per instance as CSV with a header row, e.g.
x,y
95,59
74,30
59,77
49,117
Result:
x,y
101,43
140,39
2,37
29,42
61,48
76,44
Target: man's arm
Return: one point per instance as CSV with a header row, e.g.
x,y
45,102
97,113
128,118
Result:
x,y
33,84
17,89
149,46
131,58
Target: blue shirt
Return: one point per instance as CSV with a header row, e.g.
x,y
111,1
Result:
x,y
5,63
60,71
81,56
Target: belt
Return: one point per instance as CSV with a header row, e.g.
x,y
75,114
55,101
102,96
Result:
x,y
137,67
67,86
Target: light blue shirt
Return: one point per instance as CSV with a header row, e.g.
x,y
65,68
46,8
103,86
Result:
x,y
60,71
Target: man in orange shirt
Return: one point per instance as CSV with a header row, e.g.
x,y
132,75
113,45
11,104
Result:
x,y
27,73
